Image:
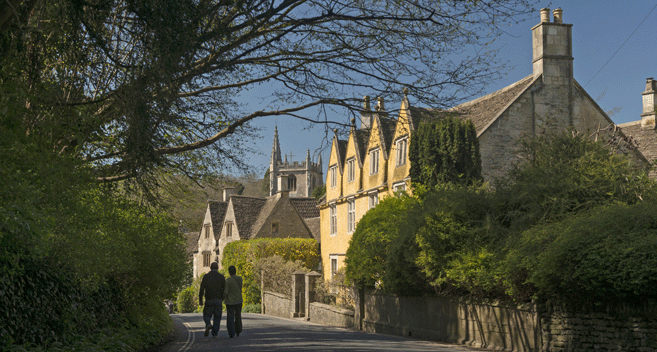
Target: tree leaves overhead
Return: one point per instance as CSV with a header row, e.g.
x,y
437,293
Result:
x,y
134,85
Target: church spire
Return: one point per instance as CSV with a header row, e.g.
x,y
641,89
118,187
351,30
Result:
x,y
276,149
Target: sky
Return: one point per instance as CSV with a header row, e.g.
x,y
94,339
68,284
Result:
x,y
614,53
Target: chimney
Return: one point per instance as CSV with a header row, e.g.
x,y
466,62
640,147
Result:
x,y
649,96
282,186
552,44
228,191
366,114
379,104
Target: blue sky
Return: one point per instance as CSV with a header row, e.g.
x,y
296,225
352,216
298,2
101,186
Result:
x,y
600,29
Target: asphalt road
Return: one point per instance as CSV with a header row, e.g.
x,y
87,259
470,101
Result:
x,y
267,333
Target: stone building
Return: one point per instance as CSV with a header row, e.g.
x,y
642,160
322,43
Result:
x,y
286,213
299,178
373,162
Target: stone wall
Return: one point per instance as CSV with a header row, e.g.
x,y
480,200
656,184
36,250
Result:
x,y
633,330
331,315
276,304
479,325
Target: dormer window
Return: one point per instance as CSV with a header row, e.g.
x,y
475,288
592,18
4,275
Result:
x,y
333,175
402,148
374,162
351,170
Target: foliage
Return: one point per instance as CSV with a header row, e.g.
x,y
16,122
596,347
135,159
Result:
x,y
565,174
606,254
445,151
188,300
245,254
252,308
163,92
319,191
369,246
276,273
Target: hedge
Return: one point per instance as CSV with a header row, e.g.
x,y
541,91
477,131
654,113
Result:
x,y
245,254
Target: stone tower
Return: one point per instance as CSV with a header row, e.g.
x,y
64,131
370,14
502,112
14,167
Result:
x,y
297,178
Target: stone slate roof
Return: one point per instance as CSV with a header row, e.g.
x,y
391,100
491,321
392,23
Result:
x,y
306,207
246,210
192,243
644,139
361,137
386,133
217,215
314,227
265,211
482,111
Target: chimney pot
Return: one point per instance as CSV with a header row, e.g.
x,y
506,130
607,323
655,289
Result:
x,y
545,15
558,15
366,102
650,84
379,104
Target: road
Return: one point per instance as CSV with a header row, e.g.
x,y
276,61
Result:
x,y
267,333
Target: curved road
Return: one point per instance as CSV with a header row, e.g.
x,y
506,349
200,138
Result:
x,y
267,333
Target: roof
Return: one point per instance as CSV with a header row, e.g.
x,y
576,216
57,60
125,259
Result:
x,y
644,139
342,151
248,209
265,211
361,138
386,133
314,227
217,211
192,242
481,111
306,207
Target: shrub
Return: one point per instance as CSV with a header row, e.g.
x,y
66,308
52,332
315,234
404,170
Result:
x,y
277,273
252,308
188,300
245,254
609,253
369,247
445,151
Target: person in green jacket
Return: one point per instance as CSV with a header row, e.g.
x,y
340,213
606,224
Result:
x,y
233,300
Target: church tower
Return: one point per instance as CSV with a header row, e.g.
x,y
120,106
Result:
x,y
297,178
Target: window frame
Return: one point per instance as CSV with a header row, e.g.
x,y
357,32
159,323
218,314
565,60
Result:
x,y
333,174
374,161
351,215
333,220
373,199
401,146
351,170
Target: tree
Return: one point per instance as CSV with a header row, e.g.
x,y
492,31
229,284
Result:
x,y
135,86
445,151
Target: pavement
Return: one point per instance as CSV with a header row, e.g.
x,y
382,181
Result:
x,y
268,333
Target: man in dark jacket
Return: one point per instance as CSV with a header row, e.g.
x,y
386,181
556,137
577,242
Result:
x,y
212,286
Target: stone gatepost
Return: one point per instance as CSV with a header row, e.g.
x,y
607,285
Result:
x,y
298,306
311,277
359,305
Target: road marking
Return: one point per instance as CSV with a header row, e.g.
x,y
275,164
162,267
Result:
x,y
190,336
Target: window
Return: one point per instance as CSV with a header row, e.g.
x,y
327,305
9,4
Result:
x,y
207,230
374,162
334,265
351,216
292,183
399,187
333,173
402,145
333,216
274,227
229,229
351,170
206,259
374,199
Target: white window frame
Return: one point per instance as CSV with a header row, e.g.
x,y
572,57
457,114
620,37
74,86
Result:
x,y
333,220
351,170
333,174
401,145
399,187
373,199
374,161
351,215
334,264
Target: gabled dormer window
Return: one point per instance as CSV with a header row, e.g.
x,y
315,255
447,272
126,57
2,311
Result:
x,y
402,148
374,162
351,170
333,175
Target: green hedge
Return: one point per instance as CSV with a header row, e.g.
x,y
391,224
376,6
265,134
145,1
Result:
x,y
245,254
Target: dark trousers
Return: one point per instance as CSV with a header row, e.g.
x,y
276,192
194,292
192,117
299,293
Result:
x,y
234,318
212,309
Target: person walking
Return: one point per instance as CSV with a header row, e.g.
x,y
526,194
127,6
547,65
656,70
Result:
x,y
233,297
212,288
